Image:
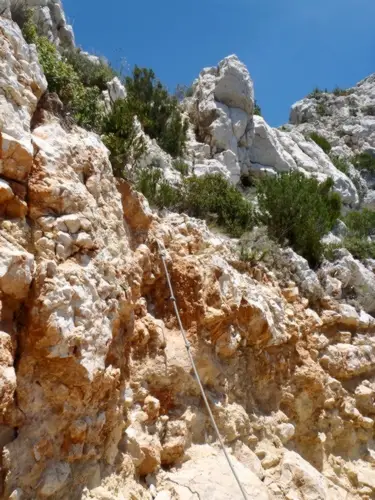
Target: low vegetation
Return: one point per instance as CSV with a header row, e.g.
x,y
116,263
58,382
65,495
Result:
x,y
339,92
341,164
257,109
292,209
210,197
298,211
364,162
79,82
81,102
359,238
321,142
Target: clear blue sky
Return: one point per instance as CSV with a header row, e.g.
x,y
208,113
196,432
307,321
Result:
x,y
289,46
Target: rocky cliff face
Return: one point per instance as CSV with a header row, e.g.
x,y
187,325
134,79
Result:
x,y
98,400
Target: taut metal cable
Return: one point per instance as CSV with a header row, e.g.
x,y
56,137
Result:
x,y
187,345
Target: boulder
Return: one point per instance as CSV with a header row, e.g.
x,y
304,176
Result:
x,y
221,109
208,475
283,151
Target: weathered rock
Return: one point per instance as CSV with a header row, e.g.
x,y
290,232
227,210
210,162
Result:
x,y
353,275
283,151
221,109
50,18
21,85
189,482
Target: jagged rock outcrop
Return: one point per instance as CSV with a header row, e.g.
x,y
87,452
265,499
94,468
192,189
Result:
x,y
98,399
346,118
275,151
48,15
221,109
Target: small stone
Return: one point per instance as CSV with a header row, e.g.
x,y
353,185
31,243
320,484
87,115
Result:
x,y
84,240
285,432
164,495
16,494
344,337
270,460
151,407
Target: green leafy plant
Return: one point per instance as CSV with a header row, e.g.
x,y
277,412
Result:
x,y
183,91
360,248
213,198
298,211
316,93
91,73
256,246
361,223
151,183
321,142
83,103
338,92
157,111
257,109
181,167
364,161
121,137
322,109
340,163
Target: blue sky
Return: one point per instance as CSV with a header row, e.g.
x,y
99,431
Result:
x,y
289,46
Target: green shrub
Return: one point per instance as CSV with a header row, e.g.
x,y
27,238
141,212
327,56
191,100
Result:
x,y
83,103
91,74
298,211
337,91
361,223
157,111
160,194
121,137
212,197
316,93
256,246
341,164
360,248
181,167
322,109
364,161
321,141
257,109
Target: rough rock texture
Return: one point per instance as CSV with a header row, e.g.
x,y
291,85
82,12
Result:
x,y
274,150
50,17
98,399
21,85
221,109
347,119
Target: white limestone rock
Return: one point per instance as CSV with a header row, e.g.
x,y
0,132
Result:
x,y
353,275
207,468
50,18
116,89
221,109
345,118
21,85
282,152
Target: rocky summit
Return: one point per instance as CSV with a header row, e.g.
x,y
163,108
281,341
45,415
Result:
x,y
98,399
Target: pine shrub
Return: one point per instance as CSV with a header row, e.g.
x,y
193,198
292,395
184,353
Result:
x,y
321,142
298,211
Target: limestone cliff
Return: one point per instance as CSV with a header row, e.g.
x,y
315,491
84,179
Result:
x,y
98,400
